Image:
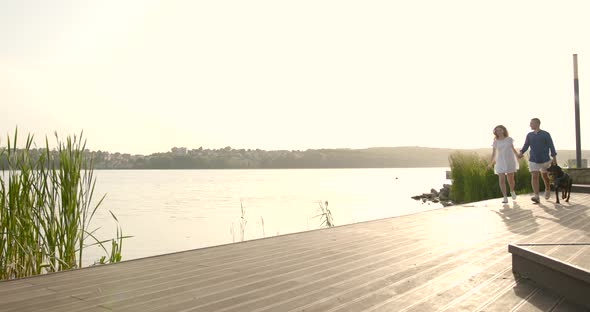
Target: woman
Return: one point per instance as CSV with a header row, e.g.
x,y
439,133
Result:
x,y
504,156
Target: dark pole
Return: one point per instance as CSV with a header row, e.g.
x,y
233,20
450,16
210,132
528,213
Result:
x,y
577,103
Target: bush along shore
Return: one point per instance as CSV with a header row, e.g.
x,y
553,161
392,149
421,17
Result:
x,y
473,179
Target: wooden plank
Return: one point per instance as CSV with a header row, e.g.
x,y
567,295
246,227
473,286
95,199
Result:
x,y
436,286
224,279
540,300
448,259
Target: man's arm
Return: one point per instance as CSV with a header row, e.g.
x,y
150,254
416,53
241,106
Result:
x,y
551,148
525,147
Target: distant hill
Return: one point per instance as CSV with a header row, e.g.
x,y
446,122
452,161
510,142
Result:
x,y
228,158
439,157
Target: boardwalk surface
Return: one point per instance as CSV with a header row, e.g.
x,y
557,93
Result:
x,y
450,259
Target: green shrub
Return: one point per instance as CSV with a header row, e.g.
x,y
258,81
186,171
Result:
x,y
474,180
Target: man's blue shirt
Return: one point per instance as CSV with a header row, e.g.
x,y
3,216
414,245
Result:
x,y
540,144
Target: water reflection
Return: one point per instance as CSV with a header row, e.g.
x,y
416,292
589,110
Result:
x,y
173,210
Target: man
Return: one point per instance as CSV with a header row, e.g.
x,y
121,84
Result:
x,y
541,145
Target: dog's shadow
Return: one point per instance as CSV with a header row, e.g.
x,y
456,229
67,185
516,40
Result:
x,y
562,214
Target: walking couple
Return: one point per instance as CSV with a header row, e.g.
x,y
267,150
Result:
x,y
506,157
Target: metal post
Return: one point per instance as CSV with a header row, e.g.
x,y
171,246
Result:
x,y
577,103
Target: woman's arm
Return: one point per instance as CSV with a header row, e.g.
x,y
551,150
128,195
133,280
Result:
x,y
493,159
514,151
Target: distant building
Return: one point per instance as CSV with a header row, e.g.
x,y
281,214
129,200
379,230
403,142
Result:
x,y
178,150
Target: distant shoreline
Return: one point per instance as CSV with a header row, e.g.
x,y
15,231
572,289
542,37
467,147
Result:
x,y
335,168
229,158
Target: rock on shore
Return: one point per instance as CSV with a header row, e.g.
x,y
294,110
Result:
x,y
442,196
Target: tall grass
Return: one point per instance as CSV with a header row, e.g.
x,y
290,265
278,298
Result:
x,y
474,180
46,210
325,215
243,222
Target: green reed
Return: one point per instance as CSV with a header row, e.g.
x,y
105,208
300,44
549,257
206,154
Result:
x,y
325,215
243,222
46,208
474,179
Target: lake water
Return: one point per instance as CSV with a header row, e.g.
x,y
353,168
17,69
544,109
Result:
x,y
174,210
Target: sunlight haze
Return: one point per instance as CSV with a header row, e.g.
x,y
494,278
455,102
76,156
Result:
x,y
143,76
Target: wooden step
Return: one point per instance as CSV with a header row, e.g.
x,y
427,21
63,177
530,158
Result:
x,y
566,272
581,188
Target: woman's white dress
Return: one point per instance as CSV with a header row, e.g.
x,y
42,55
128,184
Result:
x,y
505,159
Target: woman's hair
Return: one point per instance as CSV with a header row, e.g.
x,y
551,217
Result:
x,y
501,127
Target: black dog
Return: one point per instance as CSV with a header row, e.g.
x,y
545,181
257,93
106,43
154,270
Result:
x,y
561,180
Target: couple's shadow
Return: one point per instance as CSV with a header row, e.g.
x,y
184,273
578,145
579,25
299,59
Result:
x,y
518,220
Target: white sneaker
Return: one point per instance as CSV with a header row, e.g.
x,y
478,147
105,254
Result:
x,y
547,194
505,200
513,195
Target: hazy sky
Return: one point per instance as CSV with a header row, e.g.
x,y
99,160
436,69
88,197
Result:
x,y
144,76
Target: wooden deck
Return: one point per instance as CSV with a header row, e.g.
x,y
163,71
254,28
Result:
x,y
449,259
